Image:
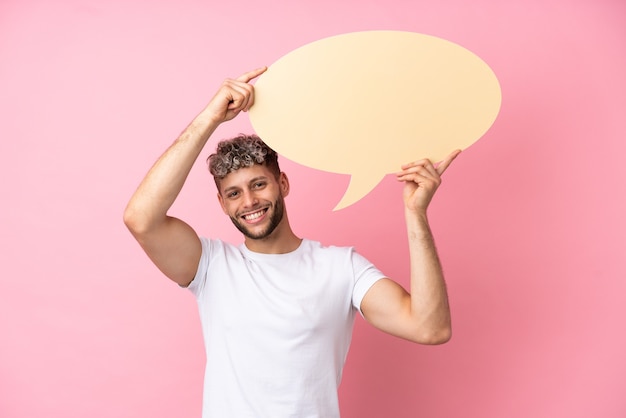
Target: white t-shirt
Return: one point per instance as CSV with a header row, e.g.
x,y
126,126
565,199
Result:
x,y
277,327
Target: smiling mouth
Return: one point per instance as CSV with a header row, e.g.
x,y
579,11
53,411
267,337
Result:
x,y
254,215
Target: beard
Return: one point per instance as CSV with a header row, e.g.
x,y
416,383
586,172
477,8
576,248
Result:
x,y
275,218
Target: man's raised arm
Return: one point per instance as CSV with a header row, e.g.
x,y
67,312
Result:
x,y
171,244
423,314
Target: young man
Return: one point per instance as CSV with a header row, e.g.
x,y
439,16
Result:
x,y
277,311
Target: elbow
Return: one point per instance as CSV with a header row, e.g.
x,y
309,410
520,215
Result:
x,y
438,336
443,336
134,221
130,218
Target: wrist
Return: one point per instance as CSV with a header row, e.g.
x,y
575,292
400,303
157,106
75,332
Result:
x,y
207,117
417,222
416,213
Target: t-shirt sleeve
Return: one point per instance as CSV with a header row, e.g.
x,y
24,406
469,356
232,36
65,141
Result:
x,y
198,283
365,275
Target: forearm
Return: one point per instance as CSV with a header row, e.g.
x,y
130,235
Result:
x,y
160,187
429,299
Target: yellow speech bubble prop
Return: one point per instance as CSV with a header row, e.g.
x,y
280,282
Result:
x,y
365,103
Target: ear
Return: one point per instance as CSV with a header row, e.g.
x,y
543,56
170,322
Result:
x,y
283,182
221,200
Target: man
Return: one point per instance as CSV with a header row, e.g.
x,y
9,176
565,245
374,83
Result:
x,y
277,311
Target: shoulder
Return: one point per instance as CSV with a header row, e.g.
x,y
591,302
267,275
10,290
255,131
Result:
x,y
345,251
217,255
216,246
336,254
216,251
311,245
318,250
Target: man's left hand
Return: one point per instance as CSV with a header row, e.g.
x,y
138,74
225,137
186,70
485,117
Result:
x,y
421,180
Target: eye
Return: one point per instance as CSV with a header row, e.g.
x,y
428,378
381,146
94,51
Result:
x,y
258,185
232,195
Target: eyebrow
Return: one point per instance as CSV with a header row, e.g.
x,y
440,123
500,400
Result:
x,y
253,180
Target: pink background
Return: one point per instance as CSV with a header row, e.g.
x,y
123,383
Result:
x,y
529,221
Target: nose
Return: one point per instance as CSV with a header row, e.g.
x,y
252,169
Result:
x,y
249,199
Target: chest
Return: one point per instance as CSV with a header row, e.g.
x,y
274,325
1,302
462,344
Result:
x,y
285,300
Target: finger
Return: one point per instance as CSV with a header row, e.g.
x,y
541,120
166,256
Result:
x,y
443,166
419,176
247,95
423,167
237,101
239,94
430,167
413,164
251,75
414,178
250,100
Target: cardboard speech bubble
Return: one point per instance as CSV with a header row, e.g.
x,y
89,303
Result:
x,y
364,103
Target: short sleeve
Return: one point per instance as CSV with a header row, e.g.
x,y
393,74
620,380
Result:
x,y
365,275
198,283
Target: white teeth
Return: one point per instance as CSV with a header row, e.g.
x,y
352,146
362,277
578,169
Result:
x,y
252,216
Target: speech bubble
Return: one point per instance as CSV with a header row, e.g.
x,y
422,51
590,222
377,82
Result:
x,y
364,103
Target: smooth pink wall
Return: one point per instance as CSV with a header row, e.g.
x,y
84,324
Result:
x,y
529,221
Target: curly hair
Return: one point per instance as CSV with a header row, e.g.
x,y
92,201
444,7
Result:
x,y
241,151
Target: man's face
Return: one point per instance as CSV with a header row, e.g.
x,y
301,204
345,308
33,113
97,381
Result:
x,y
254,200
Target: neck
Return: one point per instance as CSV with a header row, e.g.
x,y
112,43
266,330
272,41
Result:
x,y
281,241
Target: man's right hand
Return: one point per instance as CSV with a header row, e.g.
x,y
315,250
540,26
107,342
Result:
x,y
234,96
171,244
